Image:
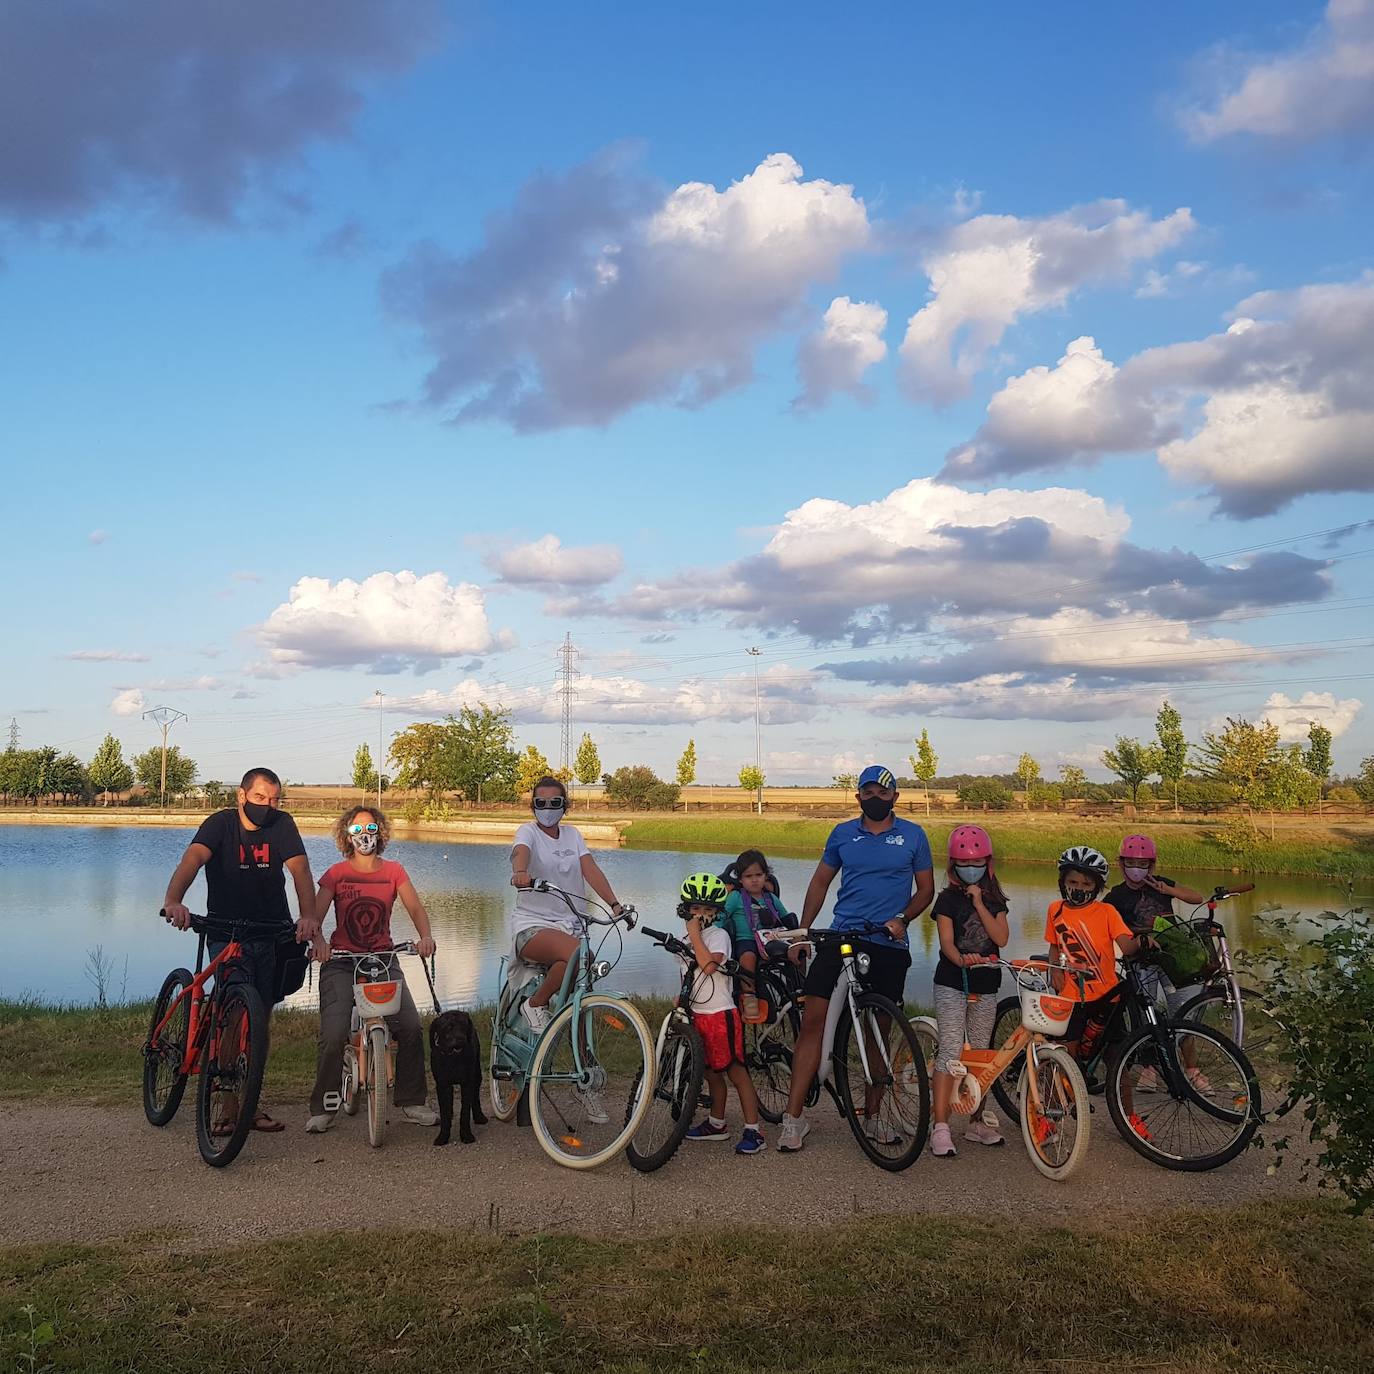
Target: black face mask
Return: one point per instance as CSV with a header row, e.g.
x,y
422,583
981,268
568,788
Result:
x,y
1075,898
262,815
876,808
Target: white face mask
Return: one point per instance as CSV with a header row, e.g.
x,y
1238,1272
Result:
x,y
364,843
550,817
970,873
1134,874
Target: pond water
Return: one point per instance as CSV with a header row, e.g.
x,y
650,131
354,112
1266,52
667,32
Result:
x,y
67,891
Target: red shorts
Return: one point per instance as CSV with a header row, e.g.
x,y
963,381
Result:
x,y
722,1035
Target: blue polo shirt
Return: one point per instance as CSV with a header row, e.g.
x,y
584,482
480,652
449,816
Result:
x,y
877,872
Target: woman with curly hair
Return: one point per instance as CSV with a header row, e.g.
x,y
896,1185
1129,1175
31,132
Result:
x,y
362,888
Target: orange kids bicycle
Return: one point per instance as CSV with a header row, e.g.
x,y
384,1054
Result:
x,y
219,1036
1055,1116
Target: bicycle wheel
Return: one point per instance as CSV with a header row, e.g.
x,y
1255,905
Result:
x,y
230,1073
768,1053
673,1103
928,1034
350,1086
163,1081
1056,1133
1207,1120
504,1092
1253,1027
376,1086
1006,1087
591,1080
883,1087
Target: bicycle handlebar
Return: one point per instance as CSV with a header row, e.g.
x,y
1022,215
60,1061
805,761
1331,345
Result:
x,y
230,928
729,966
1222,893
408,947
627,913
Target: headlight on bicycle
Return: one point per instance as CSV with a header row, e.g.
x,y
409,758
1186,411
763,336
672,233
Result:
x,y
862,961
601,968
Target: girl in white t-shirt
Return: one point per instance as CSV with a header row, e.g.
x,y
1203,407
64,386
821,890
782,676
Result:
x,y
544,930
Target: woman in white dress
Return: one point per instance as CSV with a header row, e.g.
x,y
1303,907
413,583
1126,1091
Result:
x,y
544,930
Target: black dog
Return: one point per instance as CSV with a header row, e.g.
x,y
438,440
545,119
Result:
x,y
455,1059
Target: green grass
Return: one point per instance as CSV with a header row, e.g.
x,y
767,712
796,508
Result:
x,y
1316,851
1267,1288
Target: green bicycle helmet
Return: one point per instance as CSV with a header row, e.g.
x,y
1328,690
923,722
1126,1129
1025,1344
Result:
x,y
701,889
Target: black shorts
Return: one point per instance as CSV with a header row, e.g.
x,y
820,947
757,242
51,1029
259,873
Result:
x,y
1097,1013
886,970
258,966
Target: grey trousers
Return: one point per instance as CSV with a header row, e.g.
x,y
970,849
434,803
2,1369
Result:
x,y
336,1008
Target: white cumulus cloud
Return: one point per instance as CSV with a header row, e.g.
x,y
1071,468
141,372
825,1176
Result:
x,y
849,342
991,270
1295,718
129,702
1324,87
388,621
545,562
596,292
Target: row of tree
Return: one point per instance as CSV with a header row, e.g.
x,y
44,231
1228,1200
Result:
x,y
45,774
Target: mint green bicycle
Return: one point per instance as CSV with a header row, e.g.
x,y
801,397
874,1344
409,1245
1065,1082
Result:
x,y
588,1076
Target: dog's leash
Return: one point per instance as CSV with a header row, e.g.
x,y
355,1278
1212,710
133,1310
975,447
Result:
x,y
428,966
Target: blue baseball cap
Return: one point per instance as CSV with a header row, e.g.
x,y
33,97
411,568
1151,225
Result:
x,y
875,772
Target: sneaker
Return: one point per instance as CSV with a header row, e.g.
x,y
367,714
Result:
x,y
593,1104
941,1142
879,1132
537,1018
421,1115
750,1143
982,1134
1140,1128
1149,1082
795,1129
706,1131
318,1125
1199,1080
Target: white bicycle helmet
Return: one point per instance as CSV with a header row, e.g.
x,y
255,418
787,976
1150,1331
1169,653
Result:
x,y
1086,860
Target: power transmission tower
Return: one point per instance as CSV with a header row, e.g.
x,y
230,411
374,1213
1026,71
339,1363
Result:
x,y
567,672
165,717
14,733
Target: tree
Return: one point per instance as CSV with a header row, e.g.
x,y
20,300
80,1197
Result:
x,y
1027,775
751,778
181,771
533,766
925,763
1132,762
637,788
108,772
1243,754
217,794
1363,782
1072,779
687,765
1290,783
67,777
480,753
587,763
1317,759
985,793
1172,751
846,782
418,753
364,770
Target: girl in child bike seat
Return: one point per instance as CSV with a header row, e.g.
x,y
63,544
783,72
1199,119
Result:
x,y
544,930
363,889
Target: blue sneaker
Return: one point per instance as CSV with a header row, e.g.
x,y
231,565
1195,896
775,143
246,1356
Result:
x,y
750,1143
706,1131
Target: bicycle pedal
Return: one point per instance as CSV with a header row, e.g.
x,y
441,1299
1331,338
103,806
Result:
x,y
502,1075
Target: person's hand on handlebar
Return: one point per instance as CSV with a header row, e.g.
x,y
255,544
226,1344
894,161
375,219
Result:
x,y
521,879
176,913
320,950
425,948
896,928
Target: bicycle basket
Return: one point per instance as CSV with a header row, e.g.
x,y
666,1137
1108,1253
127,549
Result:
x,y
1043,1010
377,999
1186,955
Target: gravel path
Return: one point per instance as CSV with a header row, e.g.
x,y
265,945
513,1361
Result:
x,y
89,1174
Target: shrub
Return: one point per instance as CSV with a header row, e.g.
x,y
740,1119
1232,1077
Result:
x,y
1198,794
985,792
663,796
1321,990
638,788
1045,796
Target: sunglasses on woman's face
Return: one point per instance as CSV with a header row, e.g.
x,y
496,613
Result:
x,y
359,829
548,803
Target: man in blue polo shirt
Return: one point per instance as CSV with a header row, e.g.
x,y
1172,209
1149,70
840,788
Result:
x,y
885,880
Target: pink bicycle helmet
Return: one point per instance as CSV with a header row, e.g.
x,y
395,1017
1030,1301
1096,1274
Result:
x,y
1138,847
969,844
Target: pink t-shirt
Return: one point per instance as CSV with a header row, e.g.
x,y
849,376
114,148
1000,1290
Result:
x,y
362,905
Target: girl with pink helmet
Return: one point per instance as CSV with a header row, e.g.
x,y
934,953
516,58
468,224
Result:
x,y
971,918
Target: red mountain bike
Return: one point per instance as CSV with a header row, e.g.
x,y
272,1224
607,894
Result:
x,y
220,1036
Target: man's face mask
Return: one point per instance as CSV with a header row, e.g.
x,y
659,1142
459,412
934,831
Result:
x,y
876,808
970,873
262,814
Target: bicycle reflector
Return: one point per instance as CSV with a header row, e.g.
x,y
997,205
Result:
x,y
846,950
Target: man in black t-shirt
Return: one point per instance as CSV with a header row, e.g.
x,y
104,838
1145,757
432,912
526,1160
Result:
x,y
246,851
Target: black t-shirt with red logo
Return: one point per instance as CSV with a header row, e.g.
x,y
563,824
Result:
x,y
244,875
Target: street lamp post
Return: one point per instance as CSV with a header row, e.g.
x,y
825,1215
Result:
x,y
756,654
379,748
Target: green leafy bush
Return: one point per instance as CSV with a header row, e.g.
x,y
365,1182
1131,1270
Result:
x,y
986,792
1321,990
638,788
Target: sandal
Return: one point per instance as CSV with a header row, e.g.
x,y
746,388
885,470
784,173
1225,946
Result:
x,y
226,1126
263,1122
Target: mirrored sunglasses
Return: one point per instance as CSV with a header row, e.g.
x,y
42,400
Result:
x,y
359,829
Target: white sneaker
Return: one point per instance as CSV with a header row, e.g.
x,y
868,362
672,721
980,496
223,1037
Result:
x,y
593,1104
795,1129
537,1017
318,1125
941,1142
421,1115
982,1134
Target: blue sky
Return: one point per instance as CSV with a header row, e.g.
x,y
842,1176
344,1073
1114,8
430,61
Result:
x,y
638,324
